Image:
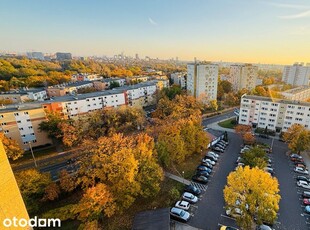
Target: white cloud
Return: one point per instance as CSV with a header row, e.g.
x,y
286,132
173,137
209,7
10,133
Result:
x,y
296,16
153,22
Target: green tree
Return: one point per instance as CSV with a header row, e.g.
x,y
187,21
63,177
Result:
x,y
114,84
52,125
255,157
255,193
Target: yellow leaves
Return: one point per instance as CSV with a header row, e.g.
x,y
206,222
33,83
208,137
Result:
x,y
242,129
11,147
298,138
248,138
253,191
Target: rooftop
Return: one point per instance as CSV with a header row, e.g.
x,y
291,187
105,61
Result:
x,y
74,84
276,100
297,90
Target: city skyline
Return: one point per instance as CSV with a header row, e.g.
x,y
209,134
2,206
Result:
x,y
232,31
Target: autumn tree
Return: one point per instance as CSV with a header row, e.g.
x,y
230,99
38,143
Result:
x,y
32,185
255,193
213,105
298,138
127,165
12,149
51,192
255,157
242,129
248,138
52,125
67,182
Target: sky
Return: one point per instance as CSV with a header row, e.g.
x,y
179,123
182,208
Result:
x,y
269,31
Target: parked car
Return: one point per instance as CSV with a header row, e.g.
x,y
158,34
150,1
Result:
x,y
304,178
301,170
211,157
306,201
301,165
303,184
218,149
263,227
207,164
306,194
295,155
211,162
270,170
189,197
182,205
200,179
220,145
235,212
239,160
214,154
192,189
203,173
204,168
223,143
263,136
307,209
179,214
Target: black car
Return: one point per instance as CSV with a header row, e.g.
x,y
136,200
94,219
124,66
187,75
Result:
x,y
304,178
207,165
202,173
263,136
203,168
200,179
192,189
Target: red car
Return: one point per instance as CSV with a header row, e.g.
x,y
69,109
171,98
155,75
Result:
x,y
306,201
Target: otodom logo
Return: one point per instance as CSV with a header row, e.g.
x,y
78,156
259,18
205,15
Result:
x,y
33,222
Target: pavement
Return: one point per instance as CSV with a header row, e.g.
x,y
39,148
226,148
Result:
x,y
177,178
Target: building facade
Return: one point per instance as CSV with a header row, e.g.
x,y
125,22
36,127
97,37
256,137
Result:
x,y
11,202
301,93
179,79
275,114
243,76
297,74
202,81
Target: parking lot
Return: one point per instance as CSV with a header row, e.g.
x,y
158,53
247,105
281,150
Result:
x,y
209,212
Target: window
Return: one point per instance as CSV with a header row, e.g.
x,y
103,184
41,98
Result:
x,y
1,116
87,99
4,123
21,128
23,135
29,127
28,119
16,114
25,113
6,131
19,121
32,134
34,141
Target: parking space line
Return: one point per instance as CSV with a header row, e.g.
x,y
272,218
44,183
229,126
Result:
x,y
227,217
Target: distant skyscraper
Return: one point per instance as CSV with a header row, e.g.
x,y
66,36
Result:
x,y
35,55
297,74
137,56
243,76
11,202
63,56
202,81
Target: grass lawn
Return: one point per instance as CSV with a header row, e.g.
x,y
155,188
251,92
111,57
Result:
x,y
227,123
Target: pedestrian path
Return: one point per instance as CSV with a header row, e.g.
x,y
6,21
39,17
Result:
x,y
217,127
200,186
177,178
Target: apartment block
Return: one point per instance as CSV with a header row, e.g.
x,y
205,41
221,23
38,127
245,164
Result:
x,y
67,89
243,76
86,77
21,123
301,93
202,81
275,114
297,74
11,202
104,84
179,79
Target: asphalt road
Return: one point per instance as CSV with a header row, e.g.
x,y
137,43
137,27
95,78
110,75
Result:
x,y
211,206
210,212
223,116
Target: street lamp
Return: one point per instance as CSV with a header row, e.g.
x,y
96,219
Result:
x,y
34,159
183,176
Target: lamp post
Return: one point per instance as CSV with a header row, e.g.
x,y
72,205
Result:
x,y
183,176
34,159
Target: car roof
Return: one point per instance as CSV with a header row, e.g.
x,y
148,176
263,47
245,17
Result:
x,y
183,202
188,194
176,210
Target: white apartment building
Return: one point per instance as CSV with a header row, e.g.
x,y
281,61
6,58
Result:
x,y
275,114
243,76
297,74
202,81
301,93
179,79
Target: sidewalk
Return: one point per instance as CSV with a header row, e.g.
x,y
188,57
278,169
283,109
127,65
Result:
x,y
177,178
215,126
